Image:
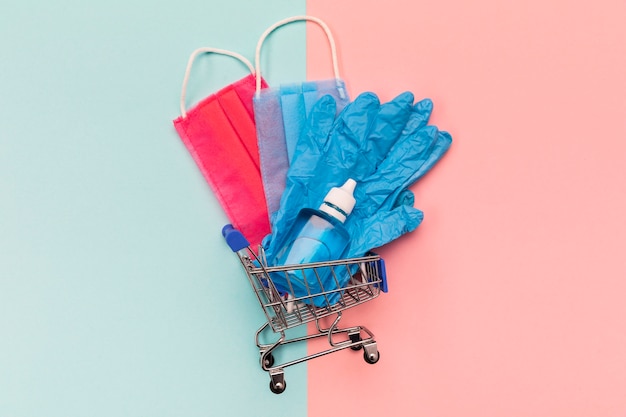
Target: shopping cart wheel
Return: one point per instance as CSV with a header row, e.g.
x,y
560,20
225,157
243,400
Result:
x,y
371,358
371,354
278,386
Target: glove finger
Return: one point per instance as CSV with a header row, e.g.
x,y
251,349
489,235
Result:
x,y
293,199
318,125
387,128
416,170
354,121
313,138
419,117
404,198
424,107
382,228
397,169
444,140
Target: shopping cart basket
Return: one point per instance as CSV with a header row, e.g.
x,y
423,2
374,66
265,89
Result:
x,y
366,280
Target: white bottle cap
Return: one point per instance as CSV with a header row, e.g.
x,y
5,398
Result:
x,y
339,202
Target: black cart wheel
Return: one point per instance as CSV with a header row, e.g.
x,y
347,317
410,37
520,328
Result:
x,y
371,358
279,387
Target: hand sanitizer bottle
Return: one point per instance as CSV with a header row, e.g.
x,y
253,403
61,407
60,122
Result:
x,y
318,236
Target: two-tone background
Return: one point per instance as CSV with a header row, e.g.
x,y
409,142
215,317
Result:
x,y
118,296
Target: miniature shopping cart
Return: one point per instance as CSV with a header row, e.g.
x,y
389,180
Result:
x,y
366,280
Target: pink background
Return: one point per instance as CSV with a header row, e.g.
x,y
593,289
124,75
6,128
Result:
x,y
509,298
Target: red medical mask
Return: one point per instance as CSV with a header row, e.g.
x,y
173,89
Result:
x,y
220,134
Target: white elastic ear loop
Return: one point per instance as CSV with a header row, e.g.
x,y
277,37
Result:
x,y
192,58
329,35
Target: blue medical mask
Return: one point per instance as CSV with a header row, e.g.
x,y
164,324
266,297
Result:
x,y
281,113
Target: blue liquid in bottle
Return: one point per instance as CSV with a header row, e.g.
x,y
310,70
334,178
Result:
x,y
318,236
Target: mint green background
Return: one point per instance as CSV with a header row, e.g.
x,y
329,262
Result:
x,y
118,296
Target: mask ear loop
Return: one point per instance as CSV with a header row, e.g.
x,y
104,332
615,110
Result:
x,y
331,42
192,57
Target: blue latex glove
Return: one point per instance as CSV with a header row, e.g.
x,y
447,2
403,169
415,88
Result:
x,y
331,150
383,158
385,148
384,203
384,209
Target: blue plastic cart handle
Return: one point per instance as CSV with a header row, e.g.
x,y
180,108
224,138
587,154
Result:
x,y
234,238
380,264
383,275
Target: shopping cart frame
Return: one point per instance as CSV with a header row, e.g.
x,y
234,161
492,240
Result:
x,y
367,278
